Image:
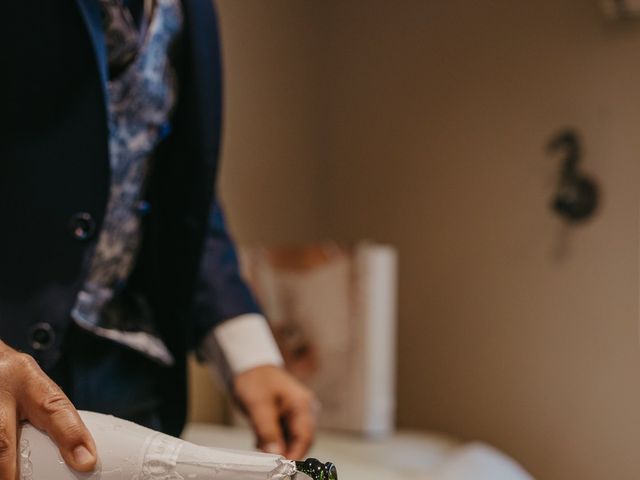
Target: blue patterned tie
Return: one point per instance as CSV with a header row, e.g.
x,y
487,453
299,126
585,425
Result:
x,y
121,35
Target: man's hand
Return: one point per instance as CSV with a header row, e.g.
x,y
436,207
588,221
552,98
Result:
x,y
280,408
26,393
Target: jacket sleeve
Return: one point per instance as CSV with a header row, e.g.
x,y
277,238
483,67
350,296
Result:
x,y
221,293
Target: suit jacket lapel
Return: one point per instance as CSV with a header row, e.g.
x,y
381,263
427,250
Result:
x,y
92,16
205,72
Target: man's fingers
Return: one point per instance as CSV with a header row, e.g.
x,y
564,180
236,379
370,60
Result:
x,y
8,438
49,409
265,419
300,423
280,408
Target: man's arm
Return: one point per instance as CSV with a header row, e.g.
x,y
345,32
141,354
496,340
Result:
x,y
221,293
231,332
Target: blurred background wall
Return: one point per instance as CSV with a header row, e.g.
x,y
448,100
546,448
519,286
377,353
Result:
x,y
423,124
273,131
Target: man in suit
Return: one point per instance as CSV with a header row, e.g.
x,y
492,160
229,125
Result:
x,y
115,260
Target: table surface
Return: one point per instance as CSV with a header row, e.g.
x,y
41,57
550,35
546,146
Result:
x,y
404,456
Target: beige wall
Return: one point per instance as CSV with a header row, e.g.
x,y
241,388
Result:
x,y
271,156
423,124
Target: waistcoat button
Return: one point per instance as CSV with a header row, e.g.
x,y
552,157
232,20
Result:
x,y
41,336
82,226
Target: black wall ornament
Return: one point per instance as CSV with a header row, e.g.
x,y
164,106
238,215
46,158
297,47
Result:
x,y
577,197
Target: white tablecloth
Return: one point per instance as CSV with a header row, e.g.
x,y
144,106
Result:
x,y
406,456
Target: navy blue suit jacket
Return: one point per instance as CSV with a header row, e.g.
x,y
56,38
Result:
x,y
54,180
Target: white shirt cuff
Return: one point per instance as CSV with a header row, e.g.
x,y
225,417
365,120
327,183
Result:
x,y
240,344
